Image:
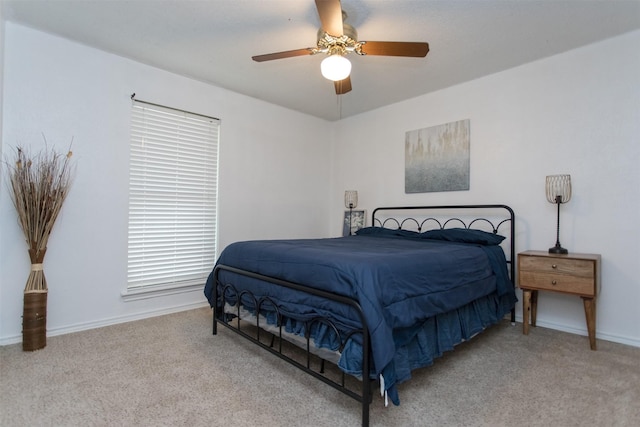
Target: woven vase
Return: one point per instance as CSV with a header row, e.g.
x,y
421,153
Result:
x,y
34,308
34,320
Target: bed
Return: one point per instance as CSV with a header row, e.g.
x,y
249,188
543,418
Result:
x,y
378,304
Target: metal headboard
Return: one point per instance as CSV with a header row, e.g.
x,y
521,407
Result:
x,y
501,220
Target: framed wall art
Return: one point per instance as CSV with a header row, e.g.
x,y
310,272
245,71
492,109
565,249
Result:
x,y
354,222
437,158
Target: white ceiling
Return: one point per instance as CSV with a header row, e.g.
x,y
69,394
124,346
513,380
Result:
x,y
213,41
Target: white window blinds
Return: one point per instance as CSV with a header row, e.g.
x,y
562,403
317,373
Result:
x,y
172,197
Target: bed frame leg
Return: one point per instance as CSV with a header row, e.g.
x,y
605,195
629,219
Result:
x,y
513,317
367,398
366,403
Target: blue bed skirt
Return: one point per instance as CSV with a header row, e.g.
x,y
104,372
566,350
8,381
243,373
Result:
x,y
419,346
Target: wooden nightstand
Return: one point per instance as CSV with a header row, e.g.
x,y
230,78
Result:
x,y
576,274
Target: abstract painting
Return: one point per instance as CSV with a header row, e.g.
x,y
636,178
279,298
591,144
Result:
x,y
437,158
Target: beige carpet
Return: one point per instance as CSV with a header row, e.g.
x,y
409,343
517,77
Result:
x,y
170,371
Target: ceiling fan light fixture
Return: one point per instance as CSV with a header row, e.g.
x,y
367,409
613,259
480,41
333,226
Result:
x,y
335,67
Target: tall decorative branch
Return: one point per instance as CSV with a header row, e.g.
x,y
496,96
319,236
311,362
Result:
x,y
38,186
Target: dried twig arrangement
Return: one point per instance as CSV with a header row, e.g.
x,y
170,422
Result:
x,y
38,187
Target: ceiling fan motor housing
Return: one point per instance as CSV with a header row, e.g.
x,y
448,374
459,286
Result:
x,y
347,42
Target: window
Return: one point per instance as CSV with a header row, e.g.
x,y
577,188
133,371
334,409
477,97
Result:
x,y
172,199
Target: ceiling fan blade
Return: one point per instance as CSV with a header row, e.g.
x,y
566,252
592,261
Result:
x,y
343,86
330,13
413,49
281,55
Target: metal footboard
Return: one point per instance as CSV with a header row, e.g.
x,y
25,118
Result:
x,y
364,397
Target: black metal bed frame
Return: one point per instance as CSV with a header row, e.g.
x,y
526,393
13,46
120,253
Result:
x,y
365,395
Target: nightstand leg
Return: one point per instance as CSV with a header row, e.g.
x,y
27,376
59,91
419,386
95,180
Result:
x,y
526,306
534,307
590,313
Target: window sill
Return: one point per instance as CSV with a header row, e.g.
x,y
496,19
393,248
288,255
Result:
x,y
135,294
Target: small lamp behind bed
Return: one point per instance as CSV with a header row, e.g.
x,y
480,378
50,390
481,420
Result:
x,y
558,191
351,202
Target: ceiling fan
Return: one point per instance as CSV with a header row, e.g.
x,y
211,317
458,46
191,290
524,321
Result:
x,y
336,39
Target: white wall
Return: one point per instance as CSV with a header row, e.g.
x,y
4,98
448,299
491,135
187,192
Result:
x,y
273,176
2,178
283,174
1,71
575,113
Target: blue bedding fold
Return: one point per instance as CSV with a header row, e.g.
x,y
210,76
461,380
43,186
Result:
x,y
399,282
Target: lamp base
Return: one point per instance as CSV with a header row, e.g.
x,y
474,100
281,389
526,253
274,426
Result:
x,y
557,249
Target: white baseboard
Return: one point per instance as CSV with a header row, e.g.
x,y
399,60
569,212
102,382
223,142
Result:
x,y
107,322
634,342
153,313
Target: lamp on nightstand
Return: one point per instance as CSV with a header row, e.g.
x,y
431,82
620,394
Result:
x,y
558,192
351,202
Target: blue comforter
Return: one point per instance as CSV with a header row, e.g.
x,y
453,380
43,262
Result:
x,y
400,281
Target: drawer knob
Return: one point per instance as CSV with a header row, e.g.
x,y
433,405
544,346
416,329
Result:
x,y
553,282
554,266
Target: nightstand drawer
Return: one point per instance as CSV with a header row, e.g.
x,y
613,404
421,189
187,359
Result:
x,y
574,267
558,282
